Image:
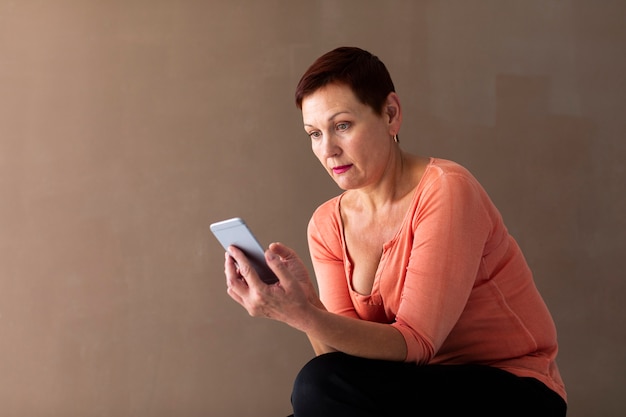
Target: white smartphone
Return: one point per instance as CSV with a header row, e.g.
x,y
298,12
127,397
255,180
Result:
x,y
235,232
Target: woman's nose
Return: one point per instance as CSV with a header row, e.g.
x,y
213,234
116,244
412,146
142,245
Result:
x,y
329,146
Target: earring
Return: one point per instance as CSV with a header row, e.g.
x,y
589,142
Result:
x,y
395,138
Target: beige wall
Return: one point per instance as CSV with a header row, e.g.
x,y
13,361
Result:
x,y
126,127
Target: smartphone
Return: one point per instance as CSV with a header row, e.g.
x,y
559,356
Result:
x,y
235,232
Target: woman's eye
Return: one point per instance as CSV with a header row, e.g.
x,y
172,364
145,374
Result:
x,y
343,126
315,134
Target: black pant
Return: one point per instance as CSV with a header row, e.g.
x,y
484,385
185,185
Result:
x,y
336,384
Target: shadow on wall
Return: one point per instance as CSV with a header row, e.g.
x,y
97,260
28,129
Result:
x,y
538,156
542,156
544,188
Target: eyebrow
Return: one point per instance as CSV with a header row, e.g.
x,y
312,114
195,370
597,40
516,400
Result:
x,y
331,117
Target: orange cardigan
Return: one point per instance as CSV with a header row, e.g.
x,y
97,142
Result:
x,y
452,280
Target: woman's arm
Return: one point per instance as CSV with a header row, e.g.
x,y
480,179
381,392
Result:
x,y
294,302
331,332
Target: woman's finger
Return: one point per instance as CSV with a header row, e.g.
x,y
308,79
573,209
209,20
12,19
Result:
x,y
244,267
281,250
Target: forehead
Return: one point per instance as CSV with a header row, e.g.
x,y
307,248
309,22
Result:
x,y
330,99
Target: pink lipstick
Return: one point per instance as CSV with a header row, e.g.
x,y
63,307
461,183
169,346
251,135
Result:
x,y
341,169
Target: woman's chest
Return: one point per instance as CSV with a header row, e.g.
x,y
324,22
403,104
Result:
x,y
365,245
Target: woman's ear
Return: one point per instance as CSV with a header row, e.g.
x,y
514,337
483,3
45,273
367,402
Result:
x,y
393,111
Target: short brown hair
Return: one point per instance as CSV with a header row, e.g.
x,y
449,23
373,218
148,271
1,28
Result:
x,y
356,68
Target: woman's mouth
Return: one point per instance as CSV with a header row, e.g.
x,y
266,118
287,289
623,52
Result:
x,y
341,169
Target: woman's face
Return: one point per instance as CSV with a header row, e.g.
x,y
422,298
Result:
x,y
351,141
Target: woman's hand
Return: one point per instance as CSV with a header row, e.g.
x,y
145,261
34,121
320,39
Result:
x,y
293,301
290,260
287,301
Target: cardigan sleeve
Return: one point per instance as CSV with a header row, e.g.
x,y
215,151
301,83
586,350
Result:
x,y
326,250
450,228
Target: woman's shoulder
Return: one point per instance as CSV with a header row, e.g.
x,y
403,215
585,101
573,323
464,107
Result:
x,y
440,168
327,214
324,228
329,207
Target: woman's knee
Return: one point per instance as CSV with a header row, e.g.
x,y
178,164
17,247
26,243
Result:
x,y
315,379
335,384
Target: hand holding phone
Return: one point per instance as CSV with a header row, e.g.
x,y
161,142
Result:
x,y
235,232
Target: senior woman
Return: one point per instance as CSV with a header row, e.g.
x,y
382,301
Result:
x,y
426,304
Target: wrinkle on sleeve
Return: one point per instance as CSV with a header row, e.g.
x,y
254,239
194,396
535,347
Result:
x,y
420,350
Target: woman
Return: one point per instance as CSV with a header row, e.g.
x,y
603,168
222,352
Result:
x,y
426,304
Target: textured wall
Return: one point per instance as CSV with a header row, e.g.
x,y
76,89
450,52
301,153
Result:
x,y
127,127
